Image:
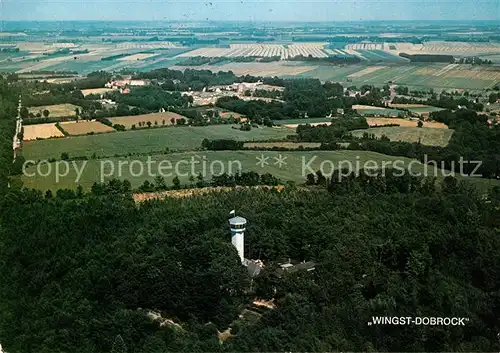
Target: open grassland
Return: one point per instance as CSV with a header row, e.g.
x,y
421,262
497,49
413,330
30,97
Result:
x,y
420,109
371,110
144,141
426,135
41,131
426,109
366,71
439,76
228,114
209,163
290,145
156,119
403,122
56,111
84,127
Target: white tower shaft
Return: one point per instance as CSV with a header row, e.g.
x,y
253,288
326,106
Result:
x,y
238,241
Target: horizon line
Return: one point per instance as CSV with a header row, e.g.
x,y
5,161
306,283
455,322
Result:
x,y
251,21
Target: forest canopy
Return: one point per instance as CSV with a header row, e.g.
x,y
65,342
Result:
x,y
80,275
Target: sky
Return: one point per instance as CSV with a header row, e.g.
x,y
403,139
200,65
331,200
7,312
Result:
x,y
249,10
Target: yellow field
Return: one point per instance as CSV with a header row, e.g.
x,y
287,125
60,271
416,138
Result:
x,y
426,136
159,118
406,106
403,122
41,131
56,111
86,92
84,127
290,145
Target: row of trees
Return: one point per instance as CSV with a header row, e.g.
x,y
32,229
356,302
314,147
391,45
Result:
x,y
428,58
8,114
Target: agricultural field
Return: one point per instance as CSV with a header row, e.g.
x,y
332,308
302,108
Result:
x,y
37,56
159,119
218,161
277,68
84,127
285,52
420,109
41,131
302,121
56,111
86,92
403,122
182,138
80,66
451,48
380,55
366,71
426,135
378,111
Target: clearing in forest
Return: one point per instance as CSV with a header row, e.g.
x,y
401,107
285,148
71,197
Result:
x,y
426,135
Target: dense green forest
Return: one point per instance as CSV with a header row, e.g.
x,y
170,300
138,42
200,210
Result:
x,y
80,275
303,96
